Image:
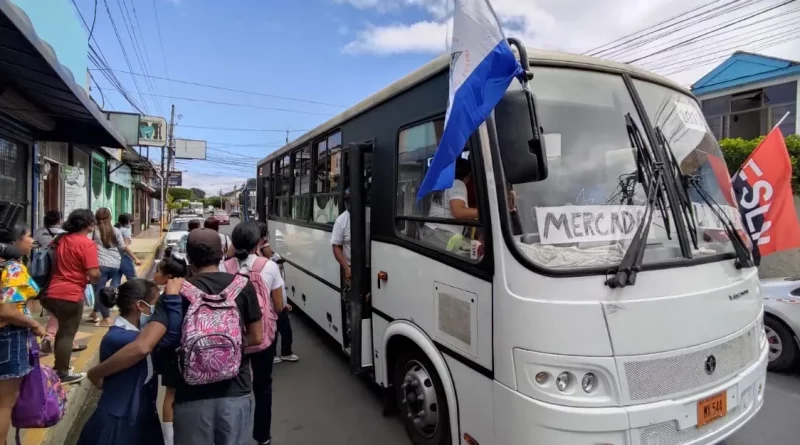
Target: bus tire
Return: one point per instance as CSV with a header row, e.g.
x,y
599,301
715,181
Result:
x,y
780,341
421,400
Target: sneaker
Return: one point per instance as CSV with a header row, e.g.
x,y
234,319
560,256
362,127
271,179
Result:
x,y
71,377
276,360
290,358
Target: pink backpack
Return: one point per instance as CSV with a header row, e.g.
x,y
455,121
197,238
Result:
x,y
211,335
269,318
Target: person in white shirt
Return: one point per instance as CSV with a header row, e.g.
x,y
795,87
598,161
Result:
x,y
450,204
340,240
227,245
247,239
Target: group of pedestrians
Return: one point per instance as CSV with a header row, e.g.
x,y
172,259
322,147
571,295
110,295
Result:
x,y
211,336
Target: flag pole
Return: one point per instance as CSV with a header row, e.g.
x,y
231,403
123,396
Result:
x,y
782,119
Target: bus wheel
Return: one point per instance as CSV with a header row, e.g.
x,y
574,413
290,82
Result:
x,y
421,401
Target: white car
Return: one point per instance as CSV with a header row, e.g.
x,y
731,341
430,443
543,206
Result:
x,y
177,228
782,321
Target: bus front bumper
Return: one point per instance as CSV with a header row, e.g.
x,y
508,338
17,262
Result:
x,y
521,420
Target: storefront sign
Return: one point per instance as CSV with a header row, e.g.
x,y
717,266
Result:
x,y
75,182
152,131
175,179
119,174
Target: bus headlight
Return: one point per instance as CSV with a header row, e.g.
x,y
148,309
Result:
x,y
567,380
562,381
587,382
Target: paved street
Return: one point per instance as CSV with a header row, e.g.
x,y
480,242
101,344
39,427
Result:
x,y
317,400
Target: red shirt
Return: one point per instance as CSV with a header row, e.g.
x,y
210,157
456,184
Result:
x,y
75,255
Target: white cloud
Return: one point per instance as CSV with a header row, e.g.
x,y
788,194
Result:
x,y
426,37
566,25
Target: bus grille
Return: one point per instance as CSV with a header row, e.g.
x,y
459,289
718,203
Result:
x,y
661,378
667,434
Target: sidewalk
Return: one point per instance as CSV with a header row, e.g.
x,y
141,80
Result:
x,y
145,246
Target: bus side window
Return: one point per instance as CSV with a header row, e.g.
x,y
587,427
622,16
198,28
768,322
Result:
x,y
416,146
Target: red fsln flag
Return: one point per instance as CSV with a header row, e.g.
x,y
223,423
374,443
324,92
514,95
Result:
x,y
763,189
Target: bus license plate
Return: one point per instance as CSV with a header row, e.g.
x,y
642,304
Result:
x,y
712,408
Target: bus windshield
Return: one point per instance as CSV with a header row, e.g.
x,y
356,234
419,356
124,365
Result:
x,y
586,212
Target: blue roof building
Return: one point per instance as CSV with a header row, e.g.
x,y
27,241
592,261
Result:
x,y
748,94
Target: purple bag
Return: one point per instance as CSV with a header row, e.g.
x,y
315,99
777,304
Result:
x,y
42,399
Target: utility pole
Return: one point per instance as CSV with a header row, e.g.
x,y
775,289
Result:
x,y
287,136
166,173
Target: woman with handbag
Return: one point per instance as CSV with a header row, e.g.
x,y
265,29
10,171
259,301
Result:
x,y
16,323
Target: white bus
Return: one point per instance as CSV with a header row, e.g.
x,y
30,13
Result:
x,y
197,208
553,317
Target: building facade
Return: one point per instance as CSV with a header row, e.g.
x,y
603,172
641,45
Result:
x,y
748,94
49,125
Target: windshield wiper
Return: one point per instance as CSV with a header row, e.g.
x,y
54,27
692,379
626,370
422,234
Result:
x,y
651,174
683,194
743,258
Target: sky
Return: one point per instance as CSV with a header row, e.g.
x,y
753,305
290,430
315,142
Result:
x,y
298,63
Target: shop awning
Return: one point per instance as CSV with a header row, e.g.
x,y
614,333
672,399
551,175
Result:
x,y
37,89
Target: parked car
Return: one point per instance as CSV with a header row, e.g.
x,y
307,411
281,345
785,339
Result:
x,y
223,218
782,321
235,214
175,231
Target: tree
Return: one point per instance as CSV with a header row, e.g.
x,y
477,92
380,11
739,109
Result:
x,y
179,193
172,205
213,201
198,193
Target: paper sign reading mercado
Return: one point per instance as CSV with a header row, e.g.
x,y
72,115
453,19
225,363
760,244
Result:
x,y
605,223
579,224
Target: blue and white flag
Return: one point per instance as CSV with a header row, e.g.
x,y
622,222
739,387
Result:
x,y
482,66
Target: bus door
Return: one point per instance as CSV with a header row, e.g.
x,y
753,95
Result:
x,y
356,310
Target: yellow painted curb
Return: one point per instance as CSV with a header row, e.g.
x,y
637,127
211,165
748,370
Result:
x,y
84,362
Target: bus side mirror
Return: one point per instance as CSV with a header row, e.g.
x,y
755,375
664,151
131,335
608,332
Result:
x,y
521,142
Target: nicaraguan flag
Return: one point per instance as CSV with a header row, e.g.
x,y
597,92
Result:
x,y
482,66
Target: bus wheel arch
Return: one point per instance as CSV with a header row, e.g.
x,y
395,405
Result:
x,y
405,344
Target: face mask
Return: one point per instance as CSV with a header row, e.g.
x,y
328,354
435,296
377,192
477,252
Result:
x,y
144,318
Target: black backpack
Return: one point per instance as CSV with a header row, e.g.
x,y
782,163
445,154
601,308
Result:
x,y
43,266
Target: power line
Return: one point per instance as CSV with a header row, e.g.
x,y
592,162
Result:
x,y
695,52
161,43
781,38
632,37
695,38
110,76
231,104
234,90
130,27
144,59
671,30
124,53
726,48
240,129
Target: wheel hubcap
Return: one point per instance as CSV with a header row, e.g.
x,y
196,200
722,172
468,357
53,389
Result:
x,y
775,344
419,399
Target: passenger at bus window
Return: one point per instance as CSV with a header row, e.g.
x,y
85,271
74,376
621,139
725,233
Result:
x,y
340,239
450,204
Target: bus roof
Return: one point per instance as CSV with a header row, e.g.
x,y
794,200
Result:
x,y
441,63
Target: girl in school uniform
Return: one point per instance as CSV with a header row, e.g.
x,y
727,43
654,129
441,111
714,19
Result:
x,y
126,413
